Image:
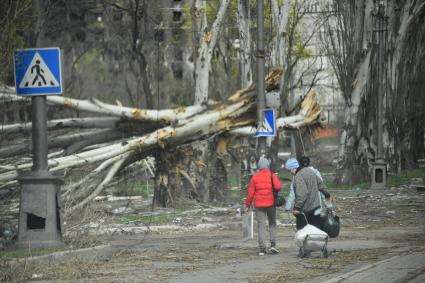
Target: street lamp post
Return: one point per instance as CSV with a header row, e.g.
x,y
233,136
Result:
x,y
260,54
379,168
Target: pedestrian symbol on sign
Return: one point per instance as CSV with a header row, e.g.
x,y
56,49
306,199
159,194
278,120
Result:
x,y
268,126
38,71
38,74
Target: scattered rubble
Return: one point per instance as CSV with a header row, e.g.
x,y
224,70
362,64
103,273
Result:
x,y
206,237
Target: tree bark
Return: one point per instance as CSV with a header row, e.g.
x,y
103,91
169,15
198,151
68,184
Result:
x,y
356,68
205,52
244,19
198,168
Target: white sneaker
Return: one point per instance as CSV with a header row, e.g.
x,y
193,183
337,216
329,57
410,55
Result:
x,y
274,250
262,252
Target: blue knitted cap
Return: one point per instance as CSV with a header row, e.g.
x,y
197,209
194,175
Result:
x,y
263,163
292,163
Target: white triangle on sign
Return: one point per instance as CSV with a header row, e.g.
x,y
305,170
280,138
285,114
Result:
x,y
266,126
38,74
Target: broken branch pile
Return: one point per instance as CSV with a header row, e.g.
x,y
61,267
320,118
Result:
x,y
112,144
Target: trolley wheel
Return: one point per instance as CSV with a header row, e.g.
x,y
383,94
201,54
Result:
x,y
325,253
301,253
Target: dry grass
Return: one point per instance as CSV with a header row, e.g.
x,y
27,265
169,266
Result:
x,y
79,222
69,270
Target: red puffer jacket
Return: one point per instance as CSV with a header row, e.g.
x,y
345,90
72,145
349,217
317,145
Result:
x,y
260,189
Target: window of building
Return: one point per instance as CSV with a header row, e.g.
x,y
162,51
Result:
x,y
178,54
177,70
177,17
159,35
177,34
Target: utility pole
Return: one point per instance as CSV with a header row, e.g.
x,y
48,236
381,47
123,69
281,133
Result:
x,y
379,169
260,54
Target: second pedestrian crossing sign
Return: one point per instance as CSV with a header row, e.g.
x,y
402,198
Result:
x,y
38,71
268,126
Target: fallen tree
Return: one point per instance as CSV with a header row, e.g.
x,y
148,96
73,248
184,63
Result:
x,y
110,152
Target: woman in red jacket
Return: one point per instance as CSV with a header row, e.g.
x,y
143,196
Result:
x,y
260,191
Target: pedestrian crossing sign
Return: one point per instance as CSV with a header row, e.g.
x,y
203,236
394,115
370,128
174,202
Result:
x,y
38,71
268,126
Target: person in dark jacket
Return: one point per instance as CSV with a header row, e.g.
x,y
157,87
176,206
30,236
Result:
x,y
324,196
305,162
306,187
261,193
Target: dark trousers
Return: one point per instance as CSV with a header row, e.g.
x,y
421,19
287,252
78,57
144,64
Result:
x,y
312,219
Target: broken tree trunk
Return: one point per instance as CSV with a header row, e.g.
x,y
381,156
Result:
x,y
234,117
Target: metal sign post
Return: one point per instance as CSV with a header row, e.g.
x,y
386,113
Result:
x,y
38,73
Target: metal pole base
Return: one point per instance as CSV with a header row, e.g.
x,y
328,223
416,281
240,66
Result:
x,y
39,212
379,175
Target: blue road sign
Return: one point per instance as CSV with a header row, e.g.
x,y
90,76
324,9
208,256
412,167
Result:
x,y
38,71
268,127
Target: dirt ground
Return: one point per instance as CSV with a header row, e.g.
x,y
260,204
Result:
x,y
205,245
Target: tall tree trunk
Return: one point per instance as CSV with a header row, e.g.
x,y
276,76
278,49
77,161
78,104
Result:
x,y
405,103
280,17
206,48
198,169
244,19
356,68
137,53
200,166
352,132
246,74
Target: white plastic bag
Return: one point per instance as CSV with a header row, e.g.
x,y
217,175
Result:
x,y
316,238
248,225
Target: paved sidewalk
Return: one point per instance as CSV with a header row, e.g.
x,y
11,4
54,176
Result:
x,y
243,270
402,268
